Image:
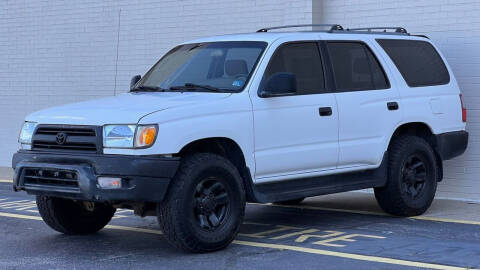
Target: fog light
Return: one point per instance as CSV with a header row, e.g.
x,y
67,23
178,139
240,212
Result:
x,y
109,182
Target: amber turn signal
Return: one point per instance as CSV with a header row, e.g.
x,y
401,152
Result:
x,y
145,136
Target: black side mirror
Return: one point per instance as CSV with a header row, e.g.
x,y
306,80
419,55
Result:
x,y
279,84
134,81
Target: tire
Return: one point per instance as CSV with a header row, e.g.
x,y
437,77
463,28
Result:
x,y
73,217
290,202
205,185
412,177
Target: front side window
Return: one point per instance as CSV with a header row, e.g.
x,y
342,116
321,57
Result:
x,y
355,67
303,62
220,66
418,61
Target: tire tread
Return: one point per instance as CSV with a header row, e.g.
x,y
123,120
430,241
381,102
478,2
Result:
x,y
389,197
53,213
169,213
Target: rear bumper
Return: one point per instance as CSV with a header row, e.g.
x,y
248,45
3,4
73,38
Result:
x,y
451,144
144,178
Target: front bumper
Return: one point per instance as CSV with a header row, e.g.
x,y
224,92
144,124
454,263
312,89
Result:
x,y
144,178
451,144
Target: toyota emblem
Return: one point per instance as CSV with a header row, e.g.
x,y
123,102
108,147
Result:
x,y
61,138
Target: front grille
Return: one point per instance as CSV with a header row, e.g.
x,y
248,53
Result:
x,y
66,138
50,177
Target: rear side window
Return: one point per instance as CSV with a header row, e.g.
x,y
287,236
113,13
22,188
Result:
x,y
418,62
302,60
355,67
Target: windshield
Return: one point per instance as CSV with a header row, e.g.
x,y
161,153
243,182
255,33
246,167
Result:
x,y
214,66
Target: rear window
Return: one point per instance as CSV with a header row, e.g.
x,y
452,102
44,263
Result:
x,y
418,62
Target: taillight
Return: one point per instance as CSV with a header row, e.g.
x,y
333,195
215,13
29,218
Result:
x,y
464,109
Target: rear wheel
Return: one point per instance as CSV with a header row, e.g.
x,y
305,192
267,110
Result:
x,y
412,177
74,217
290,202
205,204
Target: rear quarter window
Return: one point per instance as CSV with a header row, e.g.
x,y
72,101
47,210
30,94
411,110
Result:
x,y
418,62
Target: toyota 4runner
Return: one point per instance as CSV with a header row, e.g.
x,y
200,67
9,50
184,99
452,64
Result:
x,y
259,117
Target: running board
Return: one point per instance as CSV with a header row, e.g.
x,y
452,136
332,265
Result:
x,y
321,185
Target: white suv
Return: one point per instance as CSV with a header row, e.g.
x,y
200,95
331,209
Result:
x,y
258,117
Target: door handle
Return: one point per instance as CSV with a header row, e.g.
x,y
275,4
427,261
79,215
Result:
x,y
325,111
392,106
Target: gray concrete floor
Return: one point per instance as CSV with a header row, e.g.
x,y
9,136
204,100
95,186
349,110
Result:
x,y
341,231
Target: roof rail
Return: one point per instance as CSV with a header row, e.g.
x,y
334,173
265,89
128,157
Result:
x,y
333,27
398,30
423,36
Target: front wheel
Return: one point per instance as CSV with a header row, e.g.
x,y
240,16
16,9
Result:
x,y
205,204
74,217
412,177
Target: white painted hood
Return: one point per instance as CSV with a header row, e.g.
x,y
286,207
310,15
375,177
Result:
x,y
122,109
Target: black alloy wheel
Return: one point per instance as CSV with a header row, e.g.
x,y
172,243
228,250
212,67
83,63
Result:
x,y
211,204
414,175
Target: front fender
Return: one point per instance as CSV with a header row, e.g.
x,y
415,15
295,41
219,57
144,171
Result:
x,y
231,118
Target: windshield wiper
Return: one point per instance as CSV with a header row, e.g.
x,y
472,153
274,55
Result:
x,y
147,88
193,86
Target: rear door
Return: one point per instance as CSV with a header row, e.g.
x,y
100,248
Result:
x,y
295,134
368,104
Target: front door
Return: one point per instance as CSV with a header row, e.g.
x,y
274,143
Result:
x,y
296,133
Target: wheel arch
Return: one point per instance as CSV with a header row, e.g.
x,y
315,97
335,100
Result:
x,y
423,130
227,148
420,129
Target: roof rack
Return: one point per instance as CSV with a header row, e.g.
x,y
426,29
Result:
x,y
333,27
339,29
398,30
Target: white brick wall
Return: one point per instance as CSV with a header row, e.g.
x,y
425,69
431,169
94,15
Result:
x,y
454,25
55,51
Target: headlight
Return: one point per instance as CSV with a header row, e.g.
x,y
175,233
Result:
x,y
27,133
129,136
118,136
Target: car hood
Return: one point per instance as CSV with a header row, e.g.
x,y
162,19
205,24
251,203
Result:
x,y
126,108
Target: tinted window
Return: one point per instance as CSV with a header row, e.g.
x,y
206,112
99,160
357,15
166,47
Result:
x,y
418,62
302,60
249,55
355,68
